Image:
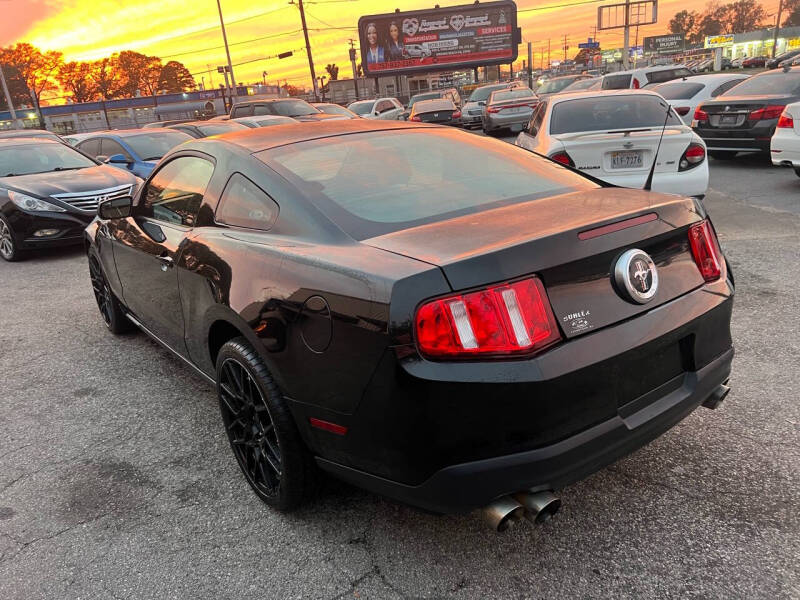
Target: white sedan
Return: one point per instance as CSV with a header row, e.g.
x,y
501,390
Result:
x,y
388,109
785,144
614,136
688,93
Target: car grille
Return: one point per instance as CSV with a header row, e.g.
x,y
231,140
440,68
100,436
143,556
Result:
x,y
88,201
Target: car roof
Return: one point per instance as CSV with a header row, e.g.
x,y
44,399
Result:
x,y
12,133
650,69
256,140
266,101
19,140
709,78
596,93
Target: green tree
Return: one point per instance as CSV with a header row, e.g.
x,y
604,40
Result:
x,y
75,79
138,73
333,71
684,22
175,78
792,8
16,84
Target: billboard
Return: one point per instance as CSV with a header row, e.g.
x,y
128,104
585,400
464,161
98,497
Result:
x,y
436,39
663,44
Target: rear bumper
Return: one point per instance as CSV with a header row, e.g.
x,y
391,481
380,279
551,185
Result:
x,y
693,182
785,148
754,139
463,487
497,121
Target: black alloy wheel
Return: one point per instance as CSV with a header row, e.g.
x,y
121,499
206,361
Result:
x,y
110,309
261,430
8,248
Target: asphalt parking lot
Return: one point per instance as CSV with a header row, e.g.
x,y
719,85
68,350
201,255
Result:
x,y
116,479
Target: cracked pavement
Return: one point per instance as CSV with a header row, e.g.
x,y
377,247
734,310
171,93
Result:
x,y
116,480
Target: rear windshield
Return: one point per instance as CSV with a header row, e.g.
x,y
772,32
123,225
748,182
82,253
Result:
x,y
482,93
152,146
610,113
288,108
220,128
678,90
767,84
512,95
378,182
418,97
616,82
424,106
667,75
362,108
26,159
582,84
554,85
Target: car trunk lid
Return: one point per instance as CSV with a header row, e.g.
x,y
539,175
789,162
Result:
x,y
558,239
734,112
437,116
614,153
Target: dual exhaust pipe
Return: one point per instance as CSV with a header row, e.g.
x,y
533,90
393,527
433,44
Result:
x,y
537,507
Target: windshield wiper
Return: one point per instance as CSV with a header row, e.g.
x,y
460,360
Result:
x,y
67,168
10,175
152,158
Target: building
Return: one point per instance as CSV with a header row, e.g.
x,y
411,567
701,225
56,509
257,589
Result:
x,y
131,113
755,43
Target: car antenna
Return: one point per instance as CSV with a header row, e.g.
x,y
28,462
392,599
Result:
x,y
649,183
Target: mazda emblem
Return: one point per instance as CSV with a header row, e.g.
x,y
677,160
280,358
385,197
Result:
x,y
636,276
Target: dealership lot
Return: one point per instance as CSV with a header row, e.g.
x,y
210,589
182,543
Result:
x,y
116,480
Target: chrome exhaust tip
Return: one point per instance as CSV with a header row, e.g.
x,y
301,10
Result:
x,y
717,396
501,513
539,506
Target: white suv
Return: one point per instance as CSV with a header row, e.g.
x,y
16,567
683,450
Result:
x,y
638,78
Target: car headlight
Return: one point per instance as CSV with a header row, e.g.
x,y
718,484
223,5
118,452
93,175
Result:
x,y
30,203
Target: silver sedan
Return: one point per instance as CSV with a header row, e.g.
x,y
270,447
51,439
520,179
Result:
x,y
509,109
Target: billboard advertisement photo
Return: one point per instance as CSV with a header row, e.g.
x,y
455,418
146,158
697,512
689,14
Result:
x,y
456,37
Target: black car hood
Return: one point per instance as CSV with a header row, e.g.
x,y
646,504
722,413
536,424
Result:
x,y
64,182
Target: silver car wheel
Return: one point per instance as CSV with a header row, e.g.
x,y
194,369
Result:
x,y
6,241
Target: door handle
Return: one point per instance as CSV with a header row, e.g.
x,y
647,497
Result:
x,y
166,262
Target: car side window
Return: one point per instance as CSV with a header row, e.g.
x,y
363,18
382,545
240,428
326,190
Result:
x,y
111,147
242,111
175,192
384,105
90,147
259,110
244,204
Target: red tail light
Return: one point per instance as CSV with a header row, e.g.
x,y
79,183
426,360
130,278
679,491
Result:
x,y
415,118
785,121
513,318
695,154
563,158
456,114
493,109
682,110
705,251
768,112
635,83
700,115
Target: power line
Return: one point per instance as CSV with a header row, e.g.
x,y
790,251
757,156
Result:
x,y
566,5
250,41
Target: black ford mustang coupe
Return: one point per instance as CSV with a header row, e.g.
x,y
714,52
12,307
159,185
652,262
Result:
x,y
49,193
442,318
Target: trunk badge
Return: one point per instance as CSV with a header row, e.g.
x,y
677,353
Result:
x,y
627,145
636,276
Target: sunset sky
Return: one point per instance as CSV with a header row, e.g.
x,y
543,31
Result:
x,y
188,30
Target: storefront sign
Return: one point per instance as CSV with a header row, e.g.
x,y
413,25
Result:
x,y
718,41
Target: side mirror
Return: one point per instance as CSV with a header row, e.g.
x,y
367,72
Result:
x,y
117,159
116,208
101,158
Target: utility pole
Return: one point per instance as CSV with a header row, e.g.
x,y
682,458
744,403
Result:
x,y
308,50
548,53
224,71
530,65
353,64
626,43
566,47
777,28
227,52
8,100
210,76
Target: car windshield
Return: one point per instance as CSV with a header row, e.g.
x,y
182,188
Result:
x,y
512,95
616,82
152,146
554,85
334,109
293,108
220,127
482,93
378,182
25,159
678,90
362,108
610,113
767,84
418,97
274,121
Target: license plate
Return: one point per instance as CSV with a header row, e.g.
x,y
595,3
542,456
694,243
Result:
x,y
626,160
513,111
728,120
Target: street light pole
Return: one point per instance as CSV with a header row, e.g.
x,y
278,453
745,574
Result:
x,y
227,52
8,99
777,28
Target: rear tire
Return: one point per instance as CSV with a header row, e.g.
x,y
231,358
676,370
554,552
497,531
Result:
x,y
797,171
8,245
261,429
722,154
